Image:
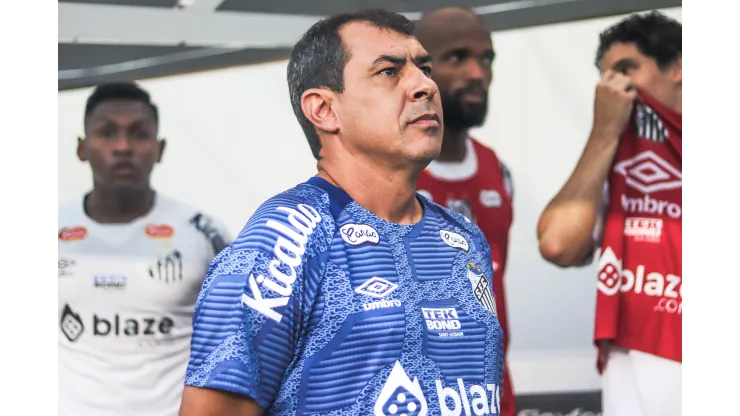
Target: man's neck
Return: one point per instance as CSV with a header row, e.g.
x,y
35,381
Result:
x,y
387,193
677,107
106,206
453,145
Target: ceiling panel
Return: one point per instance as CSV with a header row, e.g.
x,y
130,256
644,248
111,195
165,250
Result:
x,y
87,56
136,62
330,7
77,56
142,3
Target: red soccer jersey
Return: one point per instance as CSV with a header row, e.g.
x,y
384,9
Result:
x,y
480,188
639,301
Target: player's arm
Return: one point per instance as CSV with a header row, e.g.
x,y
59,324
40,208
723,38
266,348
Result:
x,y
205,402
247,321
566,226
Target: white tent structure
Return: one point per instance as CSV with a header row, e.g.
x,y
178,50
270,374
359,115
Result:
x,y
233,140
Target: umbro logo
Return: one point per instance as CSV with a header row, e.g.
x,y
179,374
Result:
x,y
376,287
647,172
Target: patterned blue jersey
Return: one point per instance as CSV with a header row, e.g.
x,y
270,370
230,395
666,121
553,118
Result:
x,y
320,307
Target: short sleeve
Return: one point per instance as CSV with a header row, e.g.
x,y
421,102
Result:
x,y
250,311
214,230
508,182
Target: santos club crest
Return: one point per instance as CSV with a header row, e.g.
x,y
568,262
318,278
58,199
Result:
x,y
481,288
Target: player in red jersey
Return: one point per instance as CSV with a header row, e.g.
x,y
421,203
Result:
x,y
635,148
468,177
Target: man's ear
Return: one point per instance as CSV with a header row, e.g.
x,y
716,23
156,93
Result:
x,y
317,106
162,144
678,71
81,149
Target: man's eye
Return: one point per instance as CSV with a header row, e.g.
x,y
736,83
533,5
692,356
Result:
x,y
142,135
389,72
427,70
456,57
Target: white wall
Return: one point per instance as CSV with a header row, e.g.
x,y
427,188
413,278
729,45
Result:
x,y
234,142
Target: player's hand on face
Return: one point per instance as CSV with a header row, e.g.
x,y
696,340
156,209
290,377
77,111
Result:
x,y
613,103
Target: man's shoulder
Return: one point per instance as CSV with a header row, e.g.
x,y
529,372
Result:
x,y
457,222
70,208
483,152
482,149
180,214
299,219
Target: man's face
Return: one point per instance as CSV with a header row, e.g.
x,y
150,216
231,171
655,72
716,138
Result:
x,y
644,72
463,59
121,144
390,108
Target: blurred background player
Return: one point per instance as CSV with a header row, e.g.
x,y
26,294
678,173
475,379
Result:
x,y
131,263
347,294
635,148
468,177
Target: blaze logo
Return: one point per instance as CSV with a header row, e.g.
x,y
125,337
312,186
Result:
x,y
475,399
159,231
610,272
72,234
71,324
400,395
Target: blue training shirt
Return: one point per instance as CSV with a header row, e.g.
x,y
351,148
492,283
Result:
x,y
320,307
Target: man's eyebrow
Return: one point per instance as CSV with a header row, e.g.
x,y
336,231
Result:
x,y
422,59
624,64
400,60
392,59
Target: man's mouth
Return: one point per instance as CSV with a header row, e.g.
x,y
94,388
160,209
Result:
x,y
473,97
430,119
124,168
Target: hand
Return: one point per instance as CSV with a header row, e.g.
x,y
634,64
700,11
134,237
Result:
x,y
613,103
603,350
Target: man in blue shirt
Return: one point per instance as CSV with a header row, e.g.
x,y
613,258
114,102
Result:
x,y
349,294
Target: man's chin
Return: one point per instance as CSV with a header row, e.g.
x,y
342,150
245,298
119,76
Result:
x,y
124,186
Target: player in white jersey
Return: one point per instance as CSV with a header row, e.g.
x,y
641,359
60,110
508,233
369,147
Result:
x,y
131,264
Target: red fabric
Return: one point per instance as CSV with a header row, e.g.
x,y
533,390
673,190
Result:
x,y
486,196
639,300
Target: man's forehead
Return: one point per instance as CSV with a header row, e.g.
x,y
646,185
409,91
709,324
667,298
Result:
x,y
116,109
620,51
449,26
364,39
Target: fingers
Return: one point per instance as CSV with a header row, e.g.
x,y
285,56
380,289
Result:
x,y
622,83
608,75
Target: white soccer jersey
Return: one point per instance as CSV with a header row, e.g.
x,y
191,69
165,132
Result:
x,y
126,299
